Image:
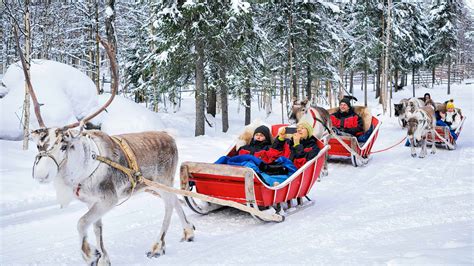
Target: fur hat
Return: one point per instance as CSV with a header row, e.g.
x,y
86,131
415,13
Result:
x,y
346,101
449,105
265,131
307,126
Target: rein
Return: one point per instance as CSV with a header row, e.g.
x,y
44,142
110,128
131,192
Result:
x,y
311,110
386,149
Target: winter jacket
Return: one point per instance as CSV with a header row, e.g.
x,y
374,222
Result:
x,y
255,148
452,119
348,122
298,154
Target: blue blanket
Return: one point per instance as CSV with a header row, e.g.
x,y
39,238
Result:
x,y
253,162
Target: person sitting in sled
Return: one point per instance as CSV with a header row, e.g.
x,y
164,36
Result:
x,y
345,121
450,118
301,147
260,143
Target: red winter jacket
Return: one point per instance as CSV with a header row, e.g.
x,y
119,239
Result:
x,y
261,151
299,154
349,122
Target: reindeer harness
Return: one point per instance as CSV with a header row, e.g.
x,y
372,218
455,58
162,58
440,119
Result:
x,y
133,171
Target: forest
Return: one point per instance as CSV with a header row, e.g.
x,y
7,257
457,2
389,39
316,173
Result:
x,y
250,51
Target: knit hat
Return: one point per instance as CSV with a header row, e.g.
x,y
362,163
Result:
x,y
449,105
307,126
346,101
265,131
427,94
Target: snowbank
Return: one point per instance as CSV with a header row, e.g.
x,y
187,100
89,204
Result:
x,y
65,93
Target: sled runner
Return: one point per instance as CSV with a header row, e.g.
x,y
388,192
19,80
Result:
x,y
348,146
237,184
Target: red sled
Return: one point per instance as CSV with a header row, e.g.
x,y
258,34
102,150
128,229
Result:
x,y
238,186
351,148
443,135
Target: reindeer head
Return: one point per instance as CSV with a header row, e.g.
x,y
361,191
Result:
x,y
416,124
298,109
53,146
399,109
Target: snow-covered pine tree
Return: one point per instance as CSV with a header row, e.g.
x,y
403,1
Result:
x,y
443,24
366,46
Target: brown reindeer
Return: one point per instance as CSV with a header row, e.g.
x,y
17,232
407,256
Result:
x,y
70,158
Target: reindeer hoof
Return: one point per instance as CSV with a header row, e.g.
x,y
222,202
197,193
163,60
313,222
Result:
x,y
157,250
188,234
150,254
413,155
97,256
421,156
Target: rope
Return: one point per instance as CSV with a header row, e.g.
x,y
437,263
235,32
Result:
x,y
390,146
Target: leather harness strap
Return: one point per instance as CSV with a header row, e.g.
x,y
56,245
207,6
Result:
x,y
133,172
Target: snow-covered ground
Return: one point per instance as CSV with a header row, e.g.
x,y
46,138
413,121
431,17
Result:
x,y
397,210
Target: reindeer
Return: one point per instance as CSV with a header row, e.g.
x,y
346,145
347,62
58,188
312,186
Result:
x,y
400,112
421,123
315,115
71,159
413,104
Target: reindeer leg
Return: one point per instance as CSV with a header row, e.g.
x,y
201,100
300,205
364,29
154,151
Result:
x,y
90,254
104,259
187,226
423,148
412,146
158,247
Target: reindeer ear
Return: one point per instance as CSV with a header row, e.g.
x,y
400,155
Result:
x,y
35,135
305,101
295,101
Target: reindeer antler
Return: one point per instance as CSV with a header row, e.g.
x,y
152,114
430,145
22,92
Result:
x,y
113,66
28,80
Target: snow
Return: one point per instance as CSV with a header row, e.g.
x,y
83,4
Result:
x,y
66,94
397,210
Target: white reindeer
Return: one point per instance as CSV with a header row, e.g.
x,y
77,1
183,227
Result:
x,y
421,123
70,158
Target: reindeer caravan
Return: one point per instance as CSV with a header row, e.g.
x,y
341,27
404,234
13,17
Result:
x,y
104,171
424,120
343,145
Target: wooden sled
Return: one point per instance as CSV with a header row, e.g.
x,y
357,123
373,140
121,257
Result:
x,y
348,146
444,138
241,185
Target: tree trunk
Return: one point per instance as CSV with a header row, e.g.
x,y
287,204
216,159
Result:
x,y
309,80
224,102
351,86
211,101
247,97
433,73
413,79
378,81
396,80
449,74
26,104
110,28
282,98
200,107
365,84
97,50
